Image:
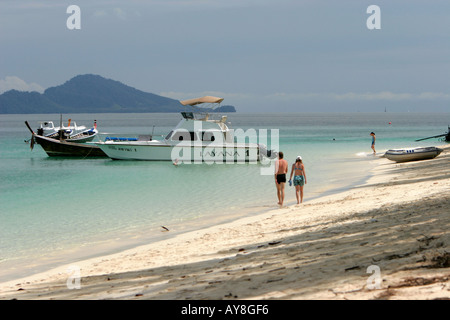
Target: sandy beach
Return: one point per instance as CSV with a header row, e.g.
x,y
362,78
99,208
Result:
x,y
386,239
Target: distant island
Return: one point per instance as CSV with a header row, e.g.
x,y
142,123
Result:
x,y
92,94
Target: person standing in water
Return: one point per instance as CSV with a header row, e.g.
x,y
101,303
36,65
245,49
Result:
x,y
298,170
373,142
281,168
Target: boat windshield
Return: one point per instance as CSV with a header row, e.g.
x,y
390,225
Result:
x,y
169,135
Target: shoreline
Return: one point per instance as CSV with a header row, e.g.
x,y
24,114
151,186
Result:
x,y
143,235
318,250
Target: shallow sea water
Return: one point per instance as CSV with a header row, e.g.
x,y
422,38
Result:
x,y
59,210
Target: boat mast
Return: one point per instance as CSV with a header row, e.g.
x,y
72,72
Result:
x,y
60,128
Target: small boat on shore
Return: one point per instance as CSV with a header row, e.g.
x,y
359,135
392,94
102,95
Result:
x,y
63,147
413,154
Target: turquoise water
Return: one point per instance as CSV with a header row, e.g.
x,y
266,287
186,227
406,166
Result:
x,y
56,211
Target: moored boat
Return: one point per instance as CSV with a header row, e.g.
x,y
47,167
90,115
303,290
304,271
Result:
x,y
71,133
413,154
198,137
64,148
444,136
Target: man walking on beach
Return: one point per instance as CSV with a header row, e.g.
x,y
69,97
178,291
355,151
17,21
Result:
x,y
281,168
373,142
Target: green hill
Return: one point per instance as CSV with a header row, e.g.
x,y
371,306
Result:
x,y
90,94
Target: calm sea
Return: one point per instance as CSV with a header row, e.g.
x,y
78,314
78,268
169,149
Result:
x,y
57,211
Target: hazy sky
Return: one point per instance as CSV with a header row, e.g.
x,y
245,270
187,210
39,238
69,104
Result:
x,y
260,55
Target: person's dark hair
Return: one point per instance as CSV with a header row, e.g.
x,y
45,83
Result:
x,y
280,154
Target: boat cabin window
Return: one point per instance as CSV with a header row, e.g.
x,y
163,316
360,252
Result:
x,y
184,136
188,115
208,136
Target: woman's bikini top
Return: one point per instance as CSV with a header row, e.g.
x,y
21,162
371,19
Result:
x,y
298,168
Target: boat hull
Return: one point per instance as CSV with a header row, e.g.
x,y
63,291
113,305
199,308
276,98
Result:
x,y
414,154
186,153
57,148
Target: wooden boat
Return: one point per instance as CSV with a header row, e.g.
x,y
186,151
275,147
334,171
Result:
x,y
64,148
444,136
413,154
71,133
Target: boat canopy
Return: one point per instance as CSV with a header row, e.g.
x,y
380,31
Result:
x,y
205,99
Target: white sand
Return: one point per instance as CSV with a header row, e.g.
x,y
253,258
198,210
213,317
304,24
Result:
x,y
397,223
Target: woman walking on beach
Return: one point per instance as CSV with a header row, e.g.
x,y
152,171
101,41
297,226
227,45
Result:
x,y
299,178
373,142
281,168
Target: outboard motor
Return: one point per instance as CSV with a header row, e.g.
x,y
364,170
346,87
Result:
x,y
263,152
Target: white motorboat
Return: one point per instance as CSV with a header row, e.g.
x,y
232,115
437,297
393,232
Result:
x,y
413,154
198,137
71,133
